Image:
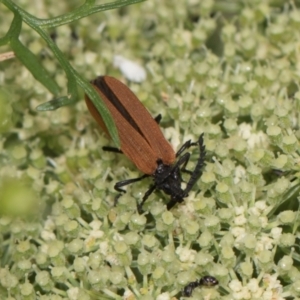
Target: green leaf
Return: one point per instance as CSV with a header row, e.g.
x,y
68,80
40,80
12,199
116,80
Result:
x,y
30,61
56,103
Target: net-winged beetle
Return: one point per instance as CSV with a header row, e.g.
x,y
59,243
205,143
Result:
x,y
144,144
206,281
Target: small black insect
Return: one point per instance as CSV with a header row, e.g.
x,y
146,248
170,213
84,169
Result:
x,y
206,281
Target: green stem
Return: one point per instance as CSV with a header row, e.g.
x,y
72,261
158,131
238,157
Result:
x,y
86,9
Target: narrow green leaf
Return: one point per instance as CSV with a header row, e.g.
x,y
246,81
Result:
x,y
56,103
30,61
88,8
14,29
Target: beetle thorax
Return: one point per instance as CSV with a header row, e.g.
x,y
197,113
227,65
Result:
x,y
168,179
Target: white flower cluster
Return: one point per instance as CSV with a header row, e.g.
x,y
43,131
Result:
x,y
269,289
253,139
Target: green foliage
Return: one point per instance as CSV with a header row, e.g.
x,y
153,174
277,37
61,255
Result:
x,y
32,63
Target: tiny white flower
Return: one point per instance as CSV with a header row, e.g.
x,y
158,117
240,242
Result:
x,y
253,285
163,296
130,70
185,254
253,139
239,173
172,135
245,293
268,295
276,233
237,296
118,237
103,247
128,295
257,139
97,234
91,240
254,211
239,210
44,248
259,247
272,282
263,221
261,205
267,241
96,224
90,57
49,224
48,235
73,293
238,232
245,131
188,208
112,259
258,294
235,285
240,220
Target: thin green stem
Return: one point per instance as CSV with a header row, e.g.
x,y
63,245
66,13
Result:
x,y
86,9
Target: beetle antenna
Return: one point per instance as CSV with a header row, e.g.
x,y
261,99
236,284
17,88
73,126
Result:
x,y
199,166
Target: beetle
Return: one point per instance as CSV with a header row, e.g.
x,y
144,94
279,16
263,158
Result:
x,y
143,143
206,281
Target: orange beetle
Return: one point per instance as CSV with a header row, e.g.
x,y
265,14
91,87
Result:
x,y
143,142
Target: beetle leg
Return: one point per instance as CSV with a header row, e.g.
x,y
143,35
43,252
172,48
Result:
x,y
111,149
122,183
172,202
183,160
185,146
147,194
183,169
158,118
